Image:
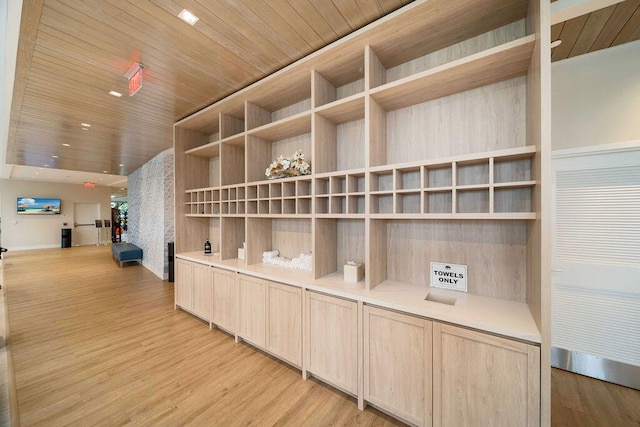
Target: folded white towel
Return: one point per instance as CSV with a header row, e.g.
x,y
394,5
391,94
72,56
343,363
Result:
x,y
270,254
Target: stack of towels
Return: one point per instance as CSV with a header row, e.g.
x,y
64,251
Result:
x,y
301,262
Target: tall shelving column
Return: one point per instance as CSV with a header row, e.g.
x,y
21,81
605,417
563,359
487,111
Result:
x,y
539,250
348,196
338,169
375,137
189,231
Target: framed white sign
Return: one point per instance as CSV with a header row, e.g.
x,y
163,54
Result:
x,y
449,276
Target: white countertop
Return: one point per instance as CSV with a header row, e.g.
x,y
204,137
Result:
x,y
502,317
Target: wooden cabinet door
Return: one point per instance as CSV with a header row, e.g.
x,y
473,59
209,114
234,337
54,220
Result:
x,y
397,364
284,322
480,379
183,286
202,291
331,346
224,300
252,317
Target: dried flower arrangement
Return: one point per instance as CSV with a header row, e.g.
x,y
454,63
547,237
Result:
x,y
284,167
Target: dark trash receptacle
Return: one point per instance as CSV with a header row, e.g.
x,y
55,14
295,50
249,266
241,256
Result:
x,y
66,238
170,255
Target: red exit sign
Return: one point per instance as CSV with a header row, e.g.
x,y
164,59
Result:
x,y
135,82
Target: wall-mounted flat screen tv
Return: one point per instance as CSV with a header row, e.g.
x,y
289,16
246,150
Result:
x,y
38,206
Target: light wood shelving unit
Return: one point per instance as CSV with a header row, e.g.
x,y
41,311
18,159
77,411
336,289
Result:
x,y
428,138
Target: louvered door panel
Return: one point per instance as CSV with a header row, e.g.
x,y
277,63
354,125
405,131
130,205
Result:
x,y
596,279
598,215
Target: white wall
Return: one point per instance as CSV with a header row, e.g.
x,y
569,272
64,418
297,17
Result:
x,y
150,213
44,231
596,98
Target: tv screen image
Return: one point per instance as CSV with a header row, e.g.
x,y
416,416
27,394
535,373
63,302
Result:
x,y
38,206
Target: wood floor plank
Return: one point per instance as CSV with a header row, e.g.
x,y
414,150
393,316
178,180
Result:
x,y
577,400
96,344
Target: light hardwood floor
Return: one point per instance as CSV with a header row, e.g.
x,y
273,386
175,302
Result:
x,y
579,401
95,344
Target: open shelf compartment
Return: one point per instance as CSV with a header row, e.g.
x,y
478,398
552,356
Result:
x,y
337,241
284,98
338,78
501,63
290,236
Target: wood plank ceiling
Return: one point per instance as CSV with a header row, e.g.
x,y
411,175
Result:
x,y
71,53
604,28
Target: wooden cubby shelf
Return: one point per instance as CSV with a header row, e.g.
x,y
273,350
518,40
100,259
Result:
x,y
232,200
338,194
202,202
427,143
462,187
283,197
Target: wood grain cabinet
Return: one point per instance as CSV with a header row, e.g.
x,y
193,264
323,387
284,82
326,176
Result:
x,y
413,366
202,291
331,340
251,309
224,299
183,286
480,379
270,317
284,322
194,288
397,364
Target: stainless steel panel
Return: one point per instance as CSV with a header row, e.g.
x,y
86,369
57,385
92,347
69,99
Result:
x,y
596,367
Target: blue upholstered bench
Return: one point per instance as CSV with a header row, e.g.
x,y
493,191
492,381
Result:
x,y
126,252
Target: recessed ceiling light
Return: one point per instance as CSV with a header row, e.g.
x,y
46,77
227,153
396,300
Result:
x,y
55,157
114,93
104,172
188,17
66,145
86,125
85,128
121,165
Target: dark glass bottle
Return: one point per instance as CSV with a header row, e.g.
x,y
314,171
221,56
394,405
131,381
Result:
x,y
207,247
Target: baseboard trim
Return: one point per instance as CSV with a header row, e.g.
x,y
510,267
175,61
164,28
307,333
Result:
x,y
596,367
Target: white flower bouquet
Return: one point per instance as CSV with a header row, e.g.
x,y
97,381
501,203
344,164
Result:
x,y
284,167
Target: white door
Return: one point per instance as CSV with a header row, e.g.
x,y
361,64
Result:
x,y
84,230
596,260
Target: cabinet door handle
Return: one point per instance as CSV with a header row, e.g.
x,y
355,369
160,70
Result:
x,y
557,270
